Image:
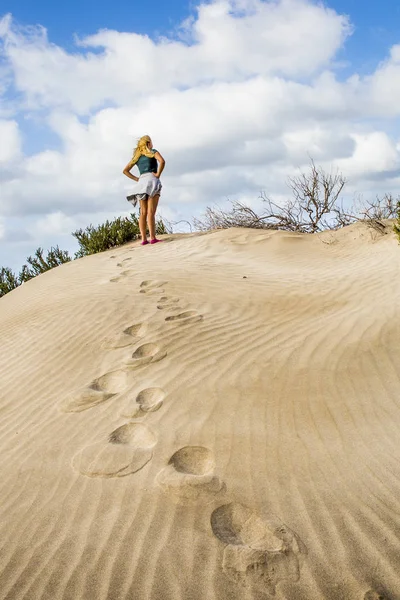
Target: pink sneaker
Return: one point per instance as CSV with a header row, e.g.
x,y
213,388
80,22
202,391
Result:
x,y
145,242
155,241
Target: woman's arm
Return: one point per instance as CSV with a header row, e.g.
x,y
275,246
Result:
x,y
161,164
127,171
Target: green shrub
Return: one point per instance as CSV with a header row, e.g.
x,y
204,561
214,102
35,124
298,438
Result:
x,y
39,264
91,240
8,281
396,226
110,234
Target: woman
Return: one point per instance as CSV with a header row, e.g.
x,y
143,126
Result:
x,y
150,164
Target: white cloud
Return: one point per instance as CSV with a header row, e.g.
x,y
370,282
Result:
x,y
230,41
239,99
10,141
239,39
384,85
319,142
374,153
54,223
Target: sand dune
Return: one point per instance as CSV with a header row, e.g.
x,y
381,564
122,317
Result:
x,y
212,418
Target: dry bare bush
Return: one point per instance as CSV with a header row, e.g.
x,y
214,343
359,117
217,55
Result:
x,y
315,206
241,215
396,226
315,195
370,212
375,211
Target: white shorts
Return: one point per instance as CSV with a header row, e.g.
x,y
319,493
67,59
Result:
x,y
147,187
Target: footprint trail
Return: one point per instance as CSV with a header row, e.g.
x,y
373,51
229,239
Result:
x,y
258,553
148,400
128,337
152,287
145,354
101,389
189,316
189,475
128,449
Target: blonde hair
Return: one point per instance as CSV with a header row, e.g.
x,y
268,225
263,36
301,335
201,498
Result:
x,y
142,149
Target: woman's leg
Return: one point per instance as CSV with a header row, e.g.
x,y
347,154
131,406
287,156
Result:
x,y
143,219
151,215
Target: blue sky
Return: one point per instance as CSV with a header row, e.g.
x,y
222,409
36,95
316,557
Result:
x,y
63,19
377,24
69,114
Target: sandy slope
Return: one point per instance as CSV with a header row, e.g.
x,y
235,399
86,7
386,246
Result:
x,y
215,417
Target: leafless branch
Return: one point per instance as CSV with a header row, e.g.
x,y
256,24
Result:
x,y
315,206
172,224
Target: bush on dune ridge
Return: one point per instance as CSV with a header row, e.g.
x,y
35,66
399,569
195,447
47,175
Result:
x,y
8,281
111,233
313,208
91,240
396,226
37,264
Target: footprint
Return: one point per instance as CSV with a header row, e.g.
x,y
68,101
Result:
x,y
371,595
129,258
128,449
145,354
258,553
101,389
122,275
169,307
83,399
113,382
189,316
166,302
127,337
189,475
148,400
152,287
150,283
120,265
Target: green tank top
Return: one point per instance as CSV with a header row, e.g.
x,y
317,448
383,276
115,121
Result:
x,y
147,165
